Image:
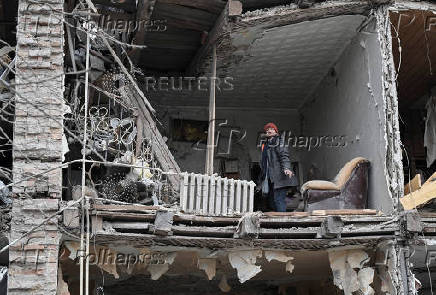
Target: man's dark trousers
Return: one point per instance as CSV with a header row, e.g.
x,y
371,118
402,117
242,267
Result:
x,y
276,198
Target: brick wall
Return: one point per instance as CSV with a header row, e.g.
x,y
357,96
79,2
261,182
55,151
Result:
x,y
37,146
39,100
33,261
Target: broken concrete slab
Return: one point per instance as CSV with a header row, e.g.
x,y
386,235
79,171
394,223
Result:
x,y
248,226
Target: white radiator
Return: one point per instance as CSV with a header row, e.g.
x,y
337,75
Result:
x,y
210,195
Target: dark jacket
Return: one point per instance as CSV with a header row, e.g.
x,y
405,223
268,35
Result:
x,y
277,155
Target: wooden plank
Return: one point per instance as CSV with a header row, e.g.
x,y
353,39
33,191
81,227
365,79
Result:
x,y
126,208
219,196
195,219
431,179
125,216
413,185
233,8
225,196
293,214
203,230
212,195
231,207
130,225
238,196
344,212
150,131
425,194
191,192
198,193
205,193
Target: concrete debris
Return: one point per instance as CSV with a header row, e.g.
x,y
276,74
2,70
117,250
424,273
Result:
x,y
245,263
344,264
224,285
248,226
157,270
208,265
281,256
163,222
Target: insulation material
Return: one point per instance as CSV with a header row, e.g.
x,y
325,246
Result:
x,y
281,256
349,273
365,278
224,285
157,270
208,265
245,263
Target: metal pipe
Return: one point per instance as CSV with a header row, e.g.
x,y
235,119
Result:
x,y
211,131
82,229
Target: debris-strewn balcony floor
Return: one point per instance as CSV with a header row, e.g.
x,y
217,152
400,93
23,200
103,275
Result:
x,y
292,230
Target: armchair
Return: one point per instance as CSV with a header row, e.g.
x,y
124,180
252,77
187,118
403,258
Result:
x,y
349,189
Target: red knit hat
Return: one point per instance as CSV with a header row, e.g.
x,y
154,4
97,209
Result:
x,y
271,125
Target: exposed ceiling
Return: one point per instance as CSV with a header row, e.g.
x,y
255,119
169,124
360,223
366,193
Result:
x,y
416,33
186,21
278,67
286,64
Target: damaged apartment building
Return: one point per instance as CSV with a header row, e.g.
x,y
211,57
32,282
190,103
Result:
x,y
131,133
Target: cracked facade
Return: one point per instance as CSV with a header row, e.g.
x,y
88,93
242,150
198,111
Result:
x,y
103,188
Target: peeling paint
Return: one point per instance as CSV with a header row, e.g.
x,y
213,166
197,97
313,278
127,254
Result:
x,y
281,256
157,270
245,263
208,265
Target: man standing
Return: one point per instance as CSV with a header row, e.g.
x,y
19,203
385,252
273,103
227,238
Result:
x,y
276,169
